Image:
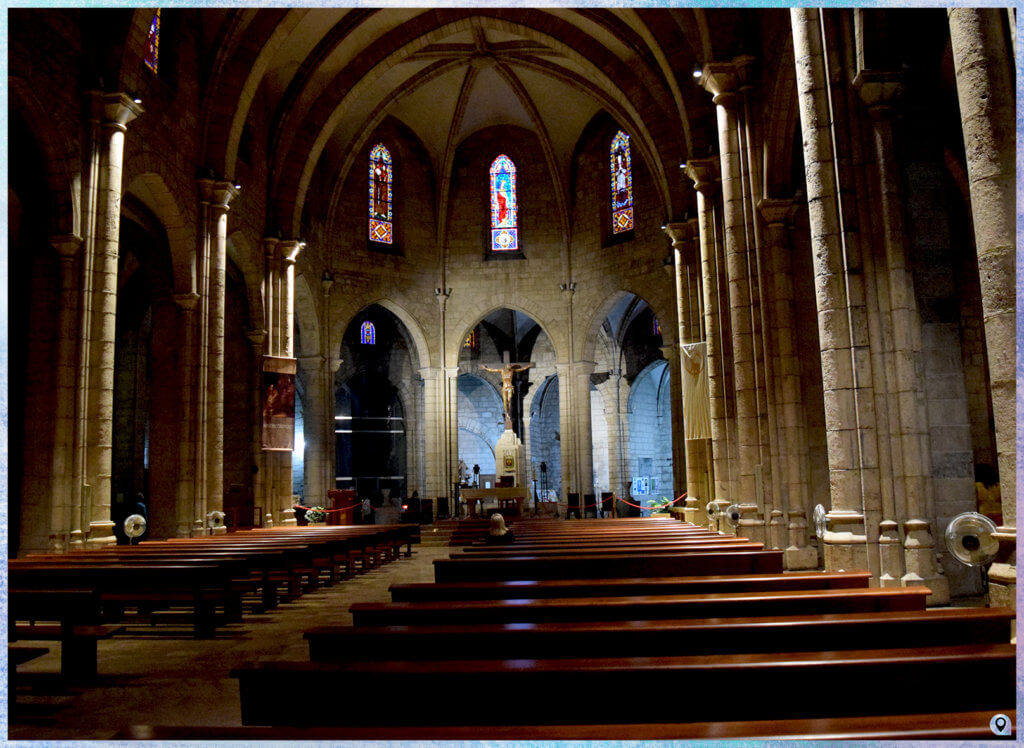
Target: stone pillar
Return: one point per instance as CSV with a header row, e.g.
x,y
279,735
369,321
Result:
x,y
113,112
434,432
584,441
842,340
722,81
215,196
61,466
879,90
287,252
704,173
794,473
188,467
985,87
616,396
685,245
261,480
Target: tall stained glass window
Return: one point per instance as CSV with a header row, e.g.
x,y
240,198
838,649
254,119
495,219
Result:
x,y
367,333
504,206
152,58
622,184
381,178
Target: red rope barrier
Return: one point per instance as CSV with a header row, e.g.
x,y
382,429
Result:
x,y
326,511
640,506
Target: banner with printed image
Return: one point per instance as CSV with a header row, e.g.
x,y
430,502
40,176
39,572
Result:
x,y
278,431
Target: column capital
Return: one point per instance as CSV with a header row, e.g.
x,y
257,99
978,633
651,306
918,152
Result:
x,y
584,368
776,211
114,109
269,244
704,172
880,90
217,192
722,81
67,245
289,249
680,232
187,301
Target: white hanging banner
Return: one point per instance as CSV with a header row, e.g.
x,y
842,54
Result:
x,y
696,394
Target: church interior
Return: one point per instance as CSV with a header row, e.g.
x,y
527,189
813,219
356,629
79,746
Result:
x,y
690,294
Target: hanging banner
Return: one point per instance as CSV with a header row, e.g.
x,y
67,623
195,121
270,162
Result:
x,y
696,393
278,432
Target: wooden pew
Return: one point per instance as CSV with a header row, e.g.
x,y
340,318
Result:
x,y
605,566
640,608
72,617
534,589
199,588
634,549
787,686
875,727
656,638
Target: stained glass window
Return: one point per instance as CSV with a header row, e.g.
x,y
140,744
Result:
x,y
152,58
367,333
656,327
381,178
504,206
471,340
622,184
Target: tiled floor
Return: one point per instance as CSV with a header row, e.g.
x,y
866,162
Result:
x,y
162,676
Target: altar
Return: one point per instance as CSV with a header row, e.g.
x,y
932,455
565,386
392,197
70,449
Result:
x,y
514,493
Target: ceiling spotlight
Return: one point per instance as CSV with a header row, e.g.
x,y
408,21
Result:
x,y
238,186
698,70
682,165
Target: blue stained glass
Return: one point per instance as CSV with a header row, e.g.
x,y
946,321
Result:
x,y
152,57
381,182
504,206
621,183
367,333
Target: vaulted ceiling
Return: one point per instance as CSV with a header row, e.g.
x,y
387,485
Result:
x,y
328,76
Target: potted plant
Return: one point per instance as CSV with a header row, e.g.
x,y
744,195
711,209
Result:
x,y
660,506
315,515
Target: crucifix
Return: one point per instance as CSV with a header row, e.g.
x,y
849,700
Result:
x,y
507,387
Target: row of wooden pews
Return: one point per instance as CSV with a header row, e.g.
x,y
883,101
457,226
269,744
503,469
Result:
x,y
81,597
538,639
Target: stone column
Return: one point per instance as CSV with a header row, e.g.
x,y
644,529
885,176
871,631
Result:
x,y
583,436
434,433
794,473
722,81
616,395
216,195
61,466
879,90
842,341
188,467
985,87
685,239
261,480
704,173
287,252
113,112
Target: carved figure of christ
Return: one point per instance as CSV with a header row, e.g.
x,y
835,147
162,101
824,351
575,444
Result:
x,y
507,387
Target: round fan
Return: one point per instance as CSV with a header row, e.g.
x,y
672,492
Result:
x,y
711,509
820,521
134,526
733,514
969,539
214,519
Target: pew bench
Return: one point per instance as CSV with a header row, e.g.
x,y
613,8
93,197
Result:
x,y
652,638
943,726
71,617
787,686
640,607
603,566
801,580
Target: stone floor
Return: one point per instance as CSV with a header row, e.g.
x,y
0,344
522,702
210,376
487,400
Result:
x,y
162,676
